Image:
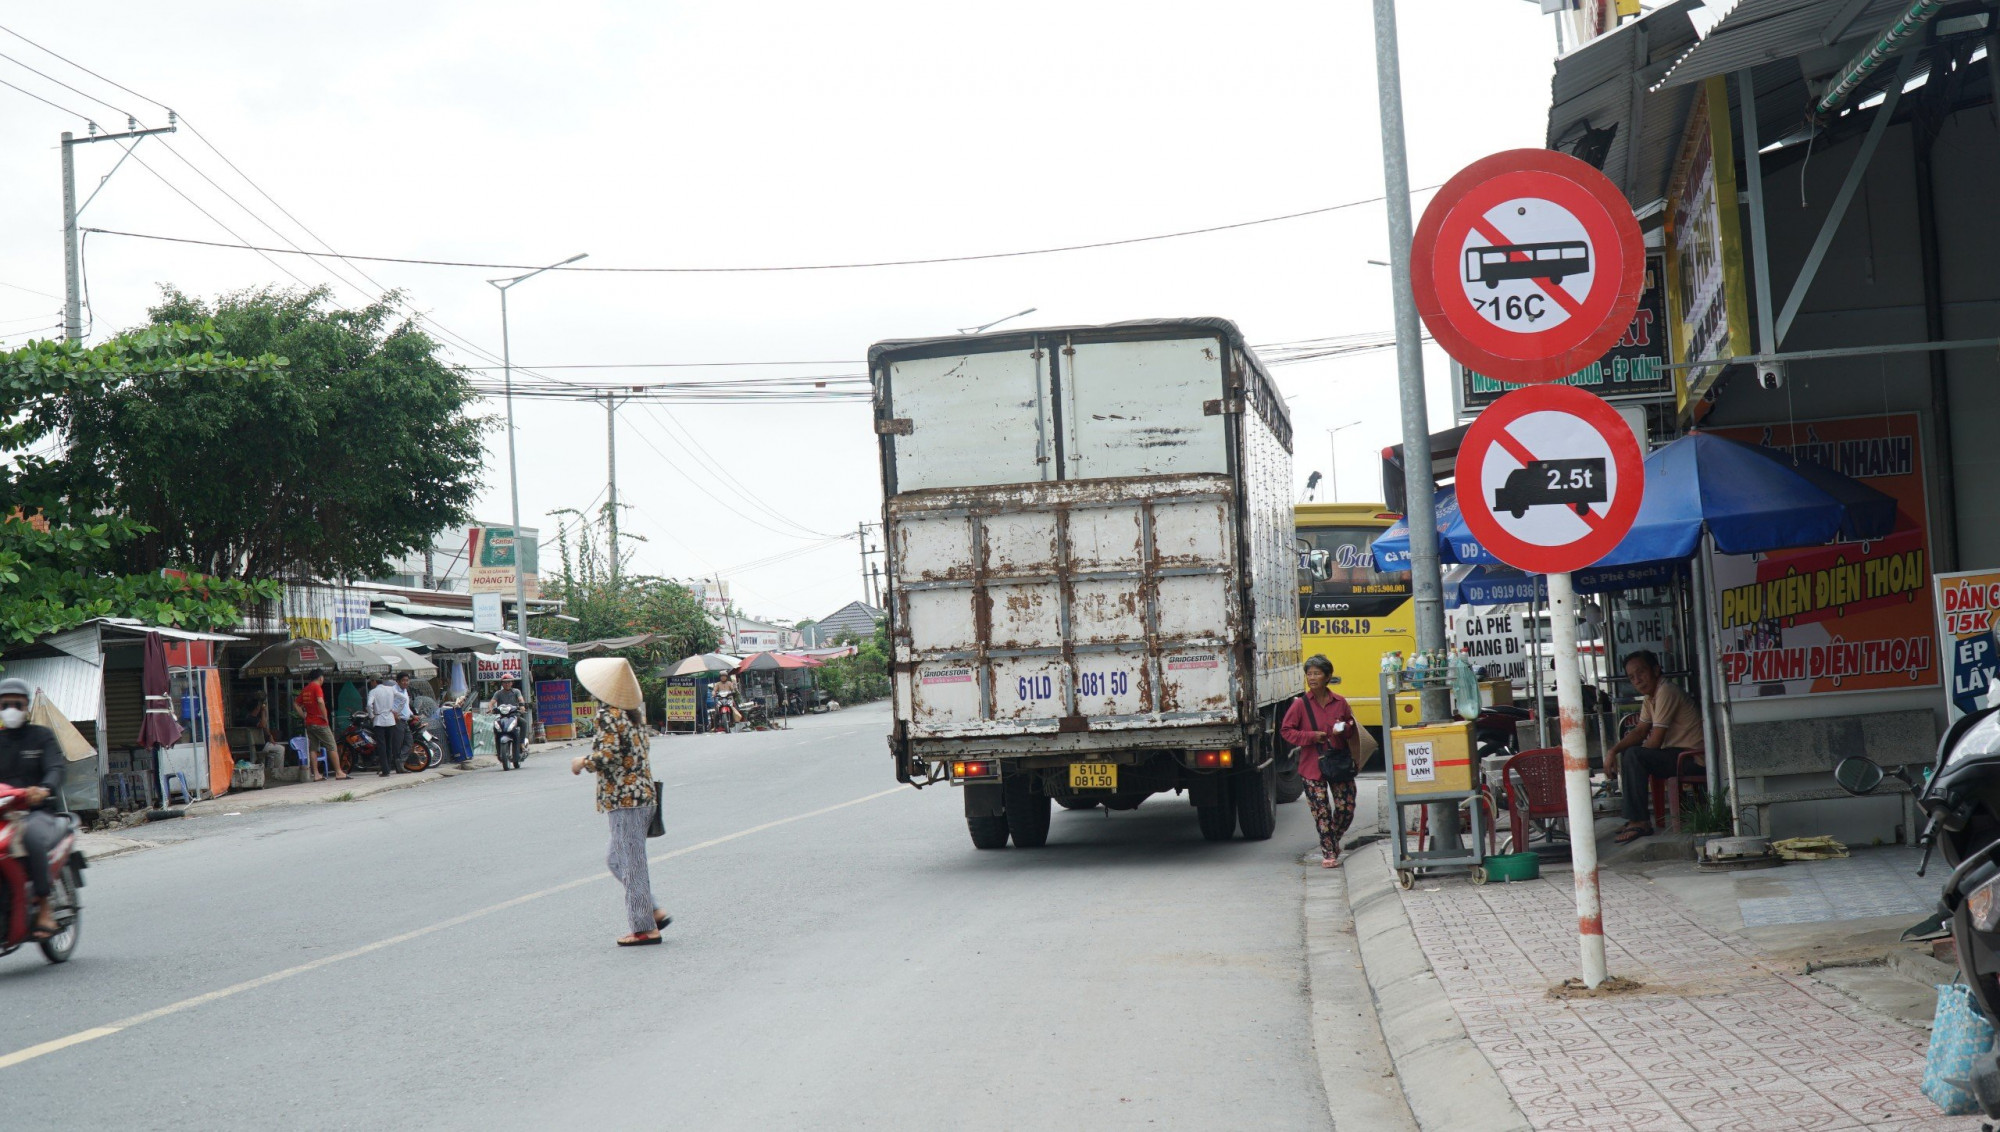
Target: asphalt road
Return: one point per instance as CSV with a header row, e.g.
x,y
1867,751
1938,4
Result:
x,y
841,957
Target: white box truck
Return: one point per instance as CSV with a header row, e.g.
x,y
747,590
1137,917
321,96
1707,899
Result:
x,y
1092,571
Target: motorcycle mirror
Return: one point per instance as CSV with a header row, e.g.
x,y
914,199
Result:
x,y
1857,775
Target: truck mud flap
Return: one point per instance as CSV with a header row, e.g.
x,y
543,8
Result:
x,y
983,800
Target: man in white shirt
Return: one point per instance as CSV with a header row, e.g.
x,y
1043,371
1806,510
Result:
x,y
405,711
385,707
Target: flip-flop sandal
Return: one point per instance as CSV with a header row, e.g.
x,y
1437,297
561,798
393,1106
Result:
x,y
39,934
1628,836
1329,862
662,920
642,941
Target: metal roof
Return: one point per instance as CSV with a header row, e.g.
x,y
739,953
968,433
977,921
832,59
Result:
x,y
1752,32
1603,86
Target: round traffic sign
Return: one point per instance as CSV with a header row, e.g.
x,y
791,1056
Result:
x,y
1528,266
1549,478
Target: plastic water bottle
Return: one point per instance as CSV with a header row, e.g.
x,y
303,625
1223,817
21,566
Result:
x,y
1420,667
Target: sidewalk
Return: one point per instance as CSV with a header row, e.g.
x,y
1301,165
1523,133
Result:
x,y
1718,1035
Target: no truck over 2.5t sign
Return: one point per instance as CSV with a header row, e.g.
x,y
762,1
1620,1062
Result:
x,y
1527,266
1550,479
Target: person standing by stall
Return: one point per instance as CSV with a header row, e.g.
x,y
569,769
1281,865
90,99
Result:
x,y
382,715
311,702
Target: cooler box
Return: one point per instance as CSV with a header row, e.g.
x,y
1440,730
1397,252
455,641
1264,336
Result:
x,y
1433,759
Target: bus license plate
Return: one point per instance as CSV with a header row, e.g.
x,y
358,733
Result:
x,y
1093,776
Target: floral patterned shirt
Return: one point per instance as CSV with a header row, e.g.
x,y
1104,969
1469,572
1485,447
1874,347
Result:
x,y
624,774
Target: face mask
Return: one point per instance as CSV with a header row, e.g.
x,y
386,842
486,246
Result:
x,y
12,717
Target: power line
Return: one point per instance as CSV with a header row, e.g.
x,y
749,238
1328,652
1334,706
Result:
x,y
46,102
730,479
244,246
43,294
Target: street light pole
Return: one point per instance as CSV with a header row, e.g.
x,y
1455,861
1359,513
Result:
x,y
513,466
1333,459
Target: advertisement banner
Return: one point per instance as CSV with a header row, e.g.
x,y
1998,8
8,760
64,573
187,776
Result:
x,y
486,613
1966,603
1492,638
681,701
323,613
1708,315
1850,617
1634,368
490,559
499,666
553,708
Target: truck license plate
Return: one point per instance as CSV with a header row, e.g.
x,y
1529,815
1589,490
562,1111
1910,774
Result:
x,y
1093,776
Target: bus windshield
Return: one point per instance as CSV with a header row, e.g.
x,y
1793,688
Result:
x,y
1337,575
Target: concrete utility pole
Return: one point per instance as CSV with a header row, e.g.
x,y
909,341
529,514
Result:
x,y
72,248
513,465
1426,580
611,476
861,536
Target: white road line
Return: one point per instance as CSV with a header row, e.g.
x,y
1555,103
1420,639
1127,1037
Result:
x,y
78,1038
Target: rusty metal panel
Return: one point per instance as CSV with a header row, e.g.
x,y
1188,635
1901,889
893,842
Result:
x,y
1193,534
1019,542
944,690
974,418
1108,611
943,619
1024,615
1271,558
1197,680
933,548
1135,408
1104,538
1029,688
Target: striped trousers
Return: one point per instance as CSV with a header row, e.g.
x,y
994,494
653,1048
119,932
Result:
x,y
627,860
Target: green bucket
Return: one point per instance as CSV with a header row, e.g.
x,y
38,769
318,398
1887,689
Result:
x,y
1513,866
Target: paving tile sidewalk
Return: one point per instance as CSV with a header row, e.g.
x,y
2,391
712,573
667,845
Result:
x,y
1718,1038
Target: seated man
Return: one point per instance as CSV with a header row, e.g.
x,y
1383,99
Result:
x,y
31,760
1669,727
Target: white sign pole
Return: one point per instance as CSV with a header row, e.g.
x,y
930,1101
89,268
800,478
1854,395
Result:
x,y
1576,778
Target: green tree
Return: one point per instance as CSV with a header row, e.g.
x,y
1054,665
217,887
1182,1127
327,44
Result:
x,y
356,451
60,562
863,676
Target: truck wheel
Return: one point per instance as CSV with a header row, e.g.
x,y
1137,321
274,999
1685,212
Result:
x,y
987,832
1256,794
1027,812
1291,784
1217,821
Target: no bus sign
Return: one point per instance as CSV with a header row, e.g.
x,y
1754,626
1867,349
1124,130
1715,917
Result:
x,y
1527,266
1550,478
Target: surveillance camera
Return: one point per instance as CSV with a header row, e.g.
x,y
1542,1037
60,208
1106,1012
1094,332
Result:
x,y
1771,375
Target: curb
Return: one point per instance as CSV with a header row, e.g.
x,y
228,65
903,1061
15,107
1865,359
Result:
x,y
1458,1087
1362,1091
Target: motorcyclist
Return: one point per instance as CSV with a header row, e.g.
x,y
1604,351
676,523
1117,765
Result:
x,y
30,759
507,693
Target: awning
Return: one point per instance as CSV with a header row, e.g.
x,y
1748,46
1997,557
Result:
x,y
614,644
1600,110
379,637
1752,32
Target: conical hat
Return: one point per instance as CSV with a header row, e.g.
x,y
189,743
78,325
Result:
x,y
611,680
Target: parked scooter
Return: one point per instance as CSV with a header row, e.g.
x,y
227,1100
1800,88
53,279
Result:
x,y
425,752
357,742
509,736
66,865
1496,729
1964,821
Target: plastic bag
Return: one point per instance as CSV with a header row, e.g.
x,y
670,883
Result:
x,y
1959,1036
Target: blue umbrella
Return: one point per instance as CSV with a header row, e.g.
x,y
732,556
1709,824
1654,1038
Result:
x,y
1749,499
1456,542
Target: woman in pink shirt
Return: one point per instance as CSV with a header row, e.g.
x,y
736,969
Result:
x,y
1317,722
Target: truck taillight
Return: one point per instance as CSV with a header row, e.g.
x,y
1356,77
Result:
x,y
1214,760
962,770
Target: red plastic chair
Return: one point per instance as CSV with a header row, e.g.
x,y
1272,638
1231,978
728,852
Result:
x,y
1532,783
1690,778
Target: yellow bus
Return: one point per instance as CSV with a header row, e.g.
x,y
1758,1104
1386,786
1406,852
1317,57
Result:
x,y
1349,610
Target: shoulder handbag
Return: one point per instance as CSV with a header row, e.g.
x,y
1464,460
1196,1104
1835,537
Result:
x,y
659,826
1336,765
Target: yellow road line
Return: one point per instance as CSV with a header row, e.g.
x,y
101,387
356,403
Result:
x,y
78,1038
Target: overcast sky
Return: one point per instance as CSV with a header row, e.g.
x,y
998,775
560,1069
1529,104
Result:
x,y
650,133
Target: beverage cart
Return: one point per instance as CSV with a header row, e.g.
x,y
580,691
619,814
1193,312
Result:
x,y
1425,764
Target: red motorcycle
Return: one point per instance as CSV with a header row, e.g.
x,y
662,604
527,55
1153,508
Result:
x,y
66,865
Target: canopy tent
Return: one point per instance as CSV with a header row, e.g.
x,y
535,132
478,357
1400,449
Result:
x,y
304,654
1747,499
379,637
1456,542
703,662
773,661
401,660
